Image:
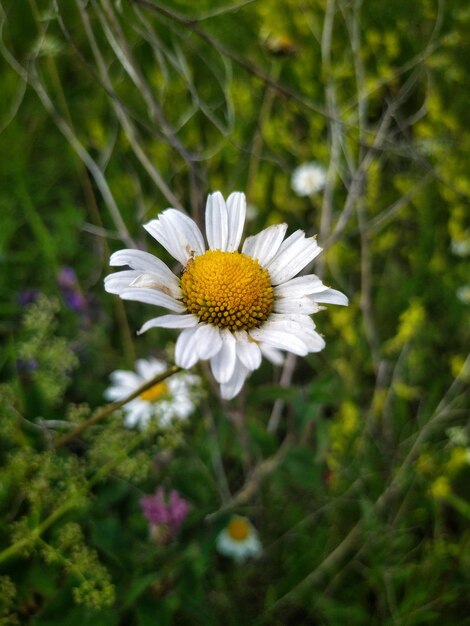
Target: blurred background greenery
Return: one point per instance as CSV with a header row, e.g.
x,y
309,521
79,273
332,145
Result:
x,y
352,464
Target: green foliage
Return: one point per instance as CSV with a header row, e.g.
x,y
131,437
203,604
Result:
x,y
112,111
52,354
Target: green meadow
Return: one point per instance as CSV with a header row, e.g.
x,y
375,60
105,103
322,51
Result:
x,y
332,488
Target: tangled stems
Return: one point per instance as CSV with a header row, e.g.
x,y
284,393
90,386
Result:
x,y
39,530
103,412
35,533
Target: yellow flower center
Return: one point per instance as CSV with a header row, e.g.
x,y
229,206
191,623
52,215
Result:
x,y
154,393
238,529
228,289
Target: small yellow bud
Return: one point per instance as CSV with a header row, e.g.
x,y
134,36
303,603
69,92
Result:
x,y
441,489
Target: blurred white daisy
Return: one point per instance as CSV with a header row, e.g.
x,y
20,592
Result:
x,y
457,436
233,306
463,294
461,247
170,400
308,178
239,539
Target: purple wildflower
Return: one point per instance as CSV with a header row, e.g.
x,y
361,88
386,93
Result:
x,y
71,292
178,509
28,296
26,365
165,514
75,301
67,279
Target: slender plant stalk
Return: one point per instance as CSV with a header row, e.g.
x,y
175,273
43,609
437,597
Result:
x,y
36,533
103,412
39,530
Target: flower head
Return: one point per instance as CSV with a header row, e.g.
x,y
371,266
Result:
x,y
71,292
167,401
28,296
441,488
463,294
232,306
308,178
461,247
239,539
457,436
164,514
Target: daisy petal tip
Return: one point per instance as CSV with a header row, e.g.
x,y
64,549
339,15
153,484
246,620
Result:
x,y
217,195
114,260
237,197
150,224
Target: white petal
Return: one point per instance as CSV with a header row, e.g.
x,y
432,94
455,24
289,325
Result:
x,y
302,321
230,389
148,368
295,305
330,296
279,338
294,254
209,340
223,363
216,222
170,321
186,354
236,207
114,394
265,244
248,353
299,326
140,260
178,234
300,286
150,296
138,415
290,322
272,354
313,341
155,281
120,281
125,378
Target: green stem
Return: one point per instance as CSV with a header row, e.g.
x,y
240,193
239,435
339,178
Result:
x,y
38,531
105,469
459,504
100,414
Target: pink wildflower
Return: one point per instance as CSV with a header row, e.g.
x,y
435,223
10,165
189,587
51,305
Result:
x,y
164,514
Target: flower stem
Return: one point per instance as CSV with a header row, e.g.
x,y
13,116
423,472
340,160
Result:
x,y
103,412
38,531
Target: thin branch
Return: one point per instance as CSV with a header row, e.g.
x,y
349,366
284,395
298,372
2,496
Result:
x,y
105,411
123,52
231,8
335,125
123,117
382,504
284,381
33,79
254,481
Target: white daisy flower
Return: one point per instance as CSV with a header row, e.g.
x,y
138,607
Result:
x,y
239,539
234,307
170,400
308,178
463,294
461,247
457,436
